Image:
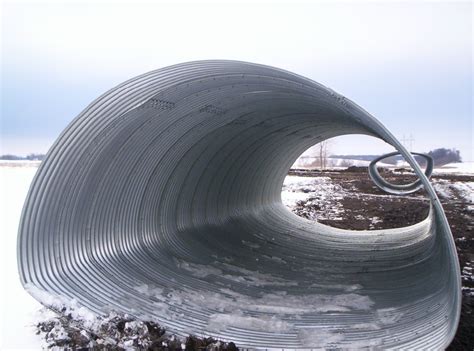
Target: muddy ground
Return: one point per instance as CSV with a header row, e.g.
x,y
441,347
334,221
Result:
x,y
398,211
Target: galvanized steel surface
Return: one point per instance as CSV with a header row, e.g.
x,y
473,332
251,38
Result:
x,y
162,199
399,189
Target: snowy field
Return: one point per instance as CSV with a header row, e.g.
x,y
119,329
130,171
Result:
x,y
464,168
19,311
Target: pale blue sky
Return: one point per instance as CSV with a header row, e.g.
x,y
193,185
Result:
x,y
407,63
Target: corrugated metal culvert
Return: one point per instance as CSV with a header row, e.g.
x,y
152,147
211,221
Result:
x,y
162,198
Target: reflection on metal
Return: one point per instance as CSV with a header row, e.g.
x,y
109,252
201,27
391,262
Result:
x,y
399,189
162,199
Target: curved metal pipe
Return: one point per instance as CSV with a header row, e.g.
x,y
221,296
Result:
x,y
399,189
162,199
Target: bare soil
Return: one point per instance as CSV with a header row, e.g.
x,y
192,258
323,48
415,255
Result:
x,y
119,333
399,211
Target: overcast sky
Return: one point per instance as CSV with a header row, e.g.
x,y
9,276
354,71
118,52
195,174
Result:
x,y
407,63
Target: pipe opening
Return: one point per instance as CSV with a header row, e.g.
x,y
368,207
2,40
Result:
x,y
331,183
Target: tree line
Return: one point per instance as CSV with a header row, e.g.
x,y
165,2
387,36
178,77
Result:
x,y
29,157
441,156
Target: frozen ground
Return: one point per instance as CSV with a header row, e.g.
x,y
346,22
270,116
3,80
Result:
x,y
326,198
466,168
20,313
319,191
455,190
18,309
366,207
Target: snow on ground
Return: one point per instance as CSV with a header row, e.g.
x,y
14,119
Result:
x,y
466,168
455,190
18,308
69,325
302,188
312,162
467,275
320,191
19,311
296,188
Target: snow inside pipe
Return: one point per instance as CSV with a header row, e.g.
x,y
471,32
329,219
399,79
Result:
x,y
162,199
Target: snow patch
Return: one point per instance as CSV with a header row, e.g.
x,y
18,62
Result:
x,y
466,168
69,306
387,316
301,194
455,190
218,322
250,244
198,270
148,290
318,337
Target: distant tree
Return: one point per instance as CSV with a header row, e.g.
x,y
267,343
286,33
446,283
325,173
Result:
x,y
35,157
30,157
10,157
323,151
443,156
355,157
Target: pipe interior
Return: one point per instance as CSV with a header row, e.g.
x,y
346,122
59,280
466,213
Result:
x,y
162,199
